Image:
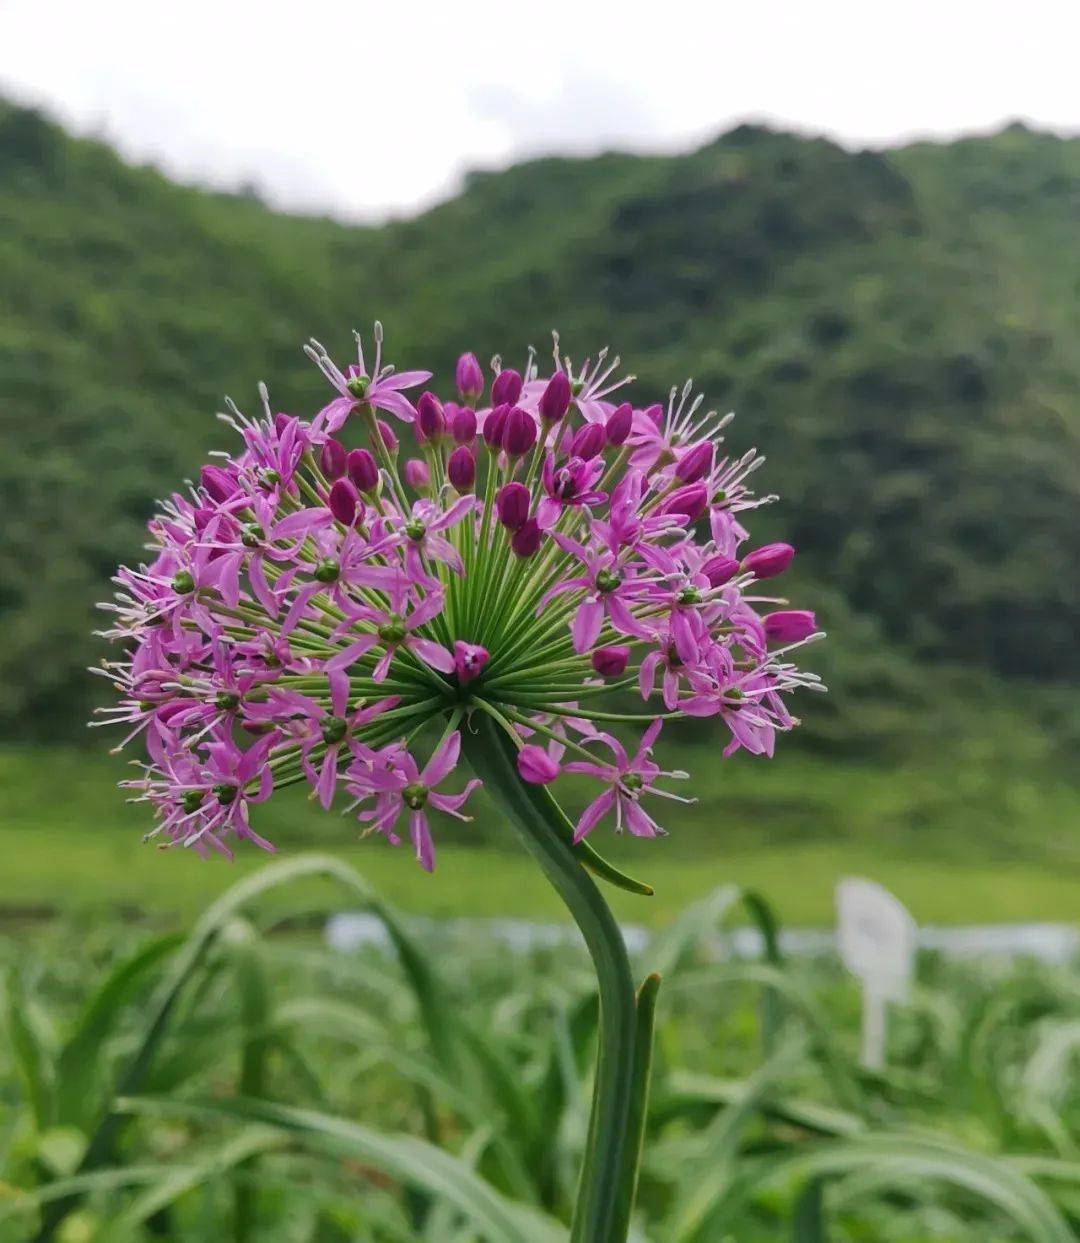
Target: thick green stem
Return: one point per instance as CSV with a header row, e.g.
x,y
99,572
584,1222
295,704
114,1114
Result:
x,y
600,1216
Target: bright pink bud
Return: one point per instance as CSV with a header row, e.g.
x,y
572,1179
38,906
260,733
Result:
x,y
389,439
619,423
493,426
525,542
656,413
720,570
203,516
512,505
769,560
589,441
218,482
696,462
519,432
167,711
790,626
417,475
332,459
469,378
461,468
462,424
362,470
343,502
611,662
536,766
555,399
690,501
430,421
469,660
506,388
281,422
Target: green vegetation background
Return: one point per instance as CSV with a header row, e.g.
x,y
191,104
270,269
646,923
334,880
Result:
x,y
897,331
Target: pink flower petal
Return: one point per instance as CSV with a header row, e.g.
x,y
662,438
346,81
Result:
x,y
351,654
586,625
433,654
328,779
444,761
421,839
593,814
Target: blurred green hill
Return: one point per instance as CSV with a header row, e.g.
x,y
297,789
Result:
x,y
899,332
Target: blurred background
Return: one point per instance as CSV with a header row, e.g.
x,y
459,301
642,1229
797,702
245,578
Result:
x,y
857,226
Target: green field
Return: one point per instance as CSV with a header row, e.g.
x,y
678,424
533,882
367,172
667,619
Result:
x,y
232,1085
790,829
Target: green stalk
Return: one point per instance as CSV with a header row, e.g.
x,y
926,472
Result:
x,y
601,1214
639,1102
254,1011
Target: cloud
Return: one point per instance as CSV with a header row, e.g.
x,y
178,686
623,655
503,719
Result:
x,y
584,114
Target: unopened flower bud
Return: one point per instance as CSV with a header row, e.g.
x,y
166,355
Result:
x,y
690,501
790,626
218,482
696,462
555,399
519,432
512,505
389,439
769,560
332,459
656,413
202,516
362,470
493,426
462,423
430,421
469,660
417,475
619,423
589,441
281,422
469,378
611,662
525,542
343,502
536,766
461,468
720,570
506,388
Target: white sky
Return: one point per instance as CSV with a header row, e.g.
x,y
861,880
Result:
x,y
367,109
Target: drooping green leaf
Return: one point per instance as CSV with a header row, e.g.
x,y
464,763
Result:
x,y
409,1160
80,1063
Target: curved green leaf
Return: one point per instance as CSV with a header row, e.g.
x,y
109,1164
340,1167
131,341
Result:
x,y
30,1043
80,1062
639,1103
192,954
409,1160
897,1161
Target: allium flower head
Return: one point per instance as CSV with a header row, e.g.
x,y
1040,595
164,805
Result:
x,y
313,613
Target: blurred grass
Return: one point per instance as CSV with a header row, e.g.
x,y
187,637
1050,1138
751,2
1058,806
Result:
x,y
70,846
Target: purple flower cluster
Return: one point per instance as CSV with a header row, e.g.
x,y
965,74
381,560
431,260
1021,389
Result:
x,y
319,605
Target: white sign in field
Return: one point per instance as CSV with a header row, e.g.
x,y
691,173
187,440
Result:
x,y
877,939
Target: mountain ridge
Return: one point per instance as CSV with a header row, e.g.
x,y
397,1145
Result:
x,y
897,330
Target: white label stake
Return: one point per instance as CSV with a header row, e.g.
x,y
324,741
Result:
x,y
877,939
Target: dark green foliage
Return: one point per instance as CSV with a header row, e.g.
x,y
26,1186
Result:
x,y
898,332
